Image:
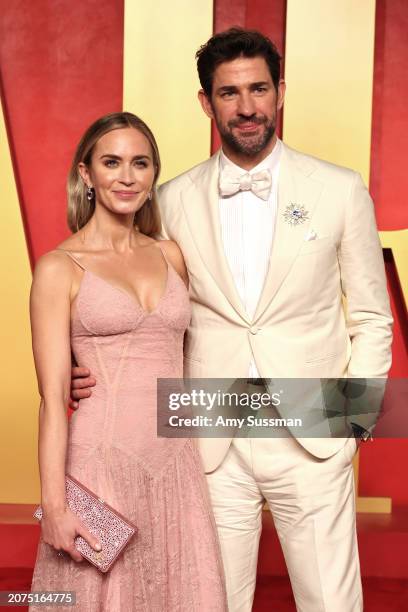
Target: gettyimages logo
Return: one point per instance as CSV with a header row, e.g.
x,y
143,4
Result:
x,y
208,401
308,407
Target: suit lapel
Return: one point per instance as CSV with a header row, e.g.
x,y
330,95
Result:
x,y
295,187
201,208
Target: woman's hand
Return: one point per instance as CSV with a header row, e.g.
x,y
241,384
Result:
x,y
59,528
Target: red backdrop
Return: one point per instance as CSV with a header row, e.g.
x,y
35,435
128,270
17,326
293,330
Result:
x,y
61,68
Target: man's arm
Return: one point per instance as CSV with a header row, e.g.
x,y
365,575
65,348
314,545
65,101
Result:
x,y
364,286
368,313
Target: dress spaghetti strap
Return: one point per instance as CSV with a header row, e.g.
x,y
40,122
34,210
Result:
x,y
71,256
170,266
163,252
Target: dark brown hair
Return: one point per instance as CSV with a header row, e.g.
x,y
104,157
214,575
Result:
x,y
227,46
80,209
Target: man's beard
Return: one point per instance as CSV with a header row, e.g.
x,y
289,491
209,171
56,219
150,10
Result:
x,y
251,144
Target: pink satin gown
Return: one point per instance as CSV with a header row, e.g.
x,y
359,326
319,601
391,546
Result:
x,y
173,564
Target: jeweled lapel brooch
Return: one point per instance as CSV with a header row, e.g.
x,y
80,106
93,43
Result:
x,y
295,214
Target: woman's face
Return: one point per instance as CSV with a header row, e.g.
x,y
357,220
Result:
x,y
121,171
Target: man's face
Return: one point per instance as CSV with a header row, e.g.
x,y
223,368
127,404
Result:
x,y
244,104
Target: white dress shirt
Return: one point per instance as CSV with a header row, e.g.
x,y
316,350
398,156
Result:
x,y
247,229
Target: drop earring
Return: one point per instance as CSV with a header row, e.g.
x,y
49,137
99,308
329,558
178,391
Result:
x,y
150,196
90,193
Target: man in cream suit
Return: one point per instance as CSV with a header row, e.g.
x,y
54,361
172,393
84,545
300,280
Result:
x,y
273,241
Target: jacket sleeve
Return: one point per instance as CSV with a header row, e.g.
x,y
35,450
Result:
x,y
368,315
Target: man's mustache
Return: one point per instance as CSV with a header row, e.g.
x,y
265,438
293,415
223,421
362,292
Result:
x,y
241,120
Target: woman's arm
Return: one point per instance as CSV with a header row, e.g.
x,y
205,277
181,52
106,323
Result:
x,y
50,306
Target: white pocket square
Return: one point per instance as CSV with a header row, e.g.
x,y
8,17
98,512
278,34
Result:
x,y
311,235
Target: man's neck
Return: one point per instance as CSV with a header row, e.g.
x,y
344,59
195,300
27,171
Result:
x,y
247,162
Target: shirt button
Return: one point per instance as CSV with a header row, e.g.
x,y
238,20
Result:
x,y
254,330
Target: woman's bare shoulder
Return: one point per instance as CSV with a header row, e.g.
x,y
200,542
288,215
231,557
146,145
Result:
x,y
53,267
175,256
171,248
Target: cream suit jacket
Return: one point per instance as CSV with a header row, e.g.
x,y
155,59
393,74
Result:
x,y
301,328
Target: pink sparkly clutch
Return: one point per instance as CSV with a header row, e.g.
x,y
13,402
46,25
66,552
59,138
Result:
x,y
111,528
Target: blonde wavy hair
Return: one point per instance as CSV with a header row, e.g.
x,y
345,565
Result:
x,y
80,209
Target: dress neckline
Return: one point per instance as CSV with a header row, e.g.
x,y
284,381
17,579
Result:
x,y
133,298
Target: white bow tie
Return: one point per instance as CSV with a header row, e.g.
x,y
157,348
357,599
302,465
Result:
x,y
259,183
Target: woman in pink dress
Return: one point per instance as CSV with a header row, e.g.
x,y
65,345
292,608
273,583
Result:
x,y
116,299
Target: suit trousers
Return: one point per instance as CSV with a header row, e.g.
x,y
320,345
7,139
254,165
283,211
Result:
x,y
313,507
